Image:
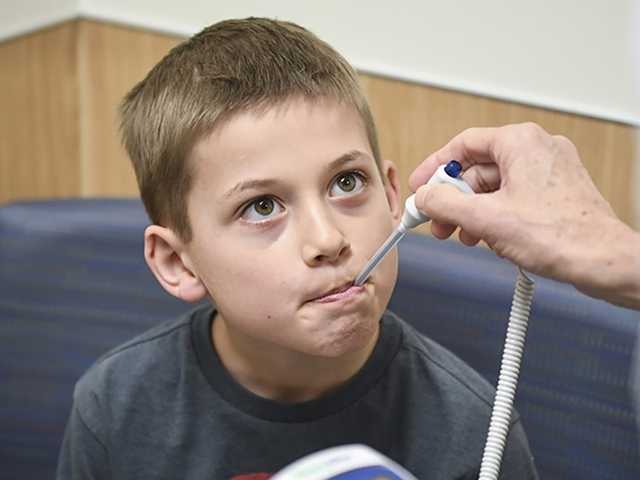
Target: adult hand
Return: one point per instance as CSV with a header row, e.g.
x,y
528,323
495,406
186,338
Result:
x,y
537,206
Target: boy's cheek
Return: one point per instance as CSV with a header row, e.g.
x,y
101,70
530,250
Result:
x,y
261,285
386,274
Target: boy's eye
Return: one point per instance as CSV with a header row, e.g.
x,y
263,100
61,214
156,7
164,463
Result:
x,y
348,183
261,209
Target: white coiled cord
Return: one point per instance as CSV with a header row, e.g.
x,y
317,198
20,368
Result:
x,y
508,378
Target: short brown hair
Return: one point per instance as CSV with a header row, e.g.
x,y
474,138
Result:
x,y
229,67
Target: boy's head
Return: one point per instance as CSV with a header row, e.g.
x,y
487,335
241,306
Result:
x,y
230,67
257,160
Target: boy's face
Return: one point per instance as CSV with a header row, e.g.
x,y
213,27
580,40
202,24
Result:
x,y
286,206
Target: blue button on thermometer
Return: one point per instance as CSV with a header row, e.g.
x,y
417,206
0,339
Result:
x,y
412,217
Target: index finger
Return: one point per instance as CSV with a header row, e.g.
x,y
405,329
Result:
x,y
474,145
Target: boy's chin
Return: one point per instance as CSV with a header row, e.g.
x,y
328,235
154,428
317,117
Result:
x,y
348,339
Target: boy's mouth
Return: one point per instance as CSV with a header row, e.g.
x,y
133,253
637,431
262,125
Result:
x,y
337,293
339,289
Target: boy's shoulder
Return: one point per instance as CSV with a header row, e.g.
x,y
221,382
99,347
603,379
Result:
x,y
432,364
447,404
153,356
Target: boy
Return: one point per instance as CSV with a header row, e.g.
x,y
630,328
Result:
x,y
258,163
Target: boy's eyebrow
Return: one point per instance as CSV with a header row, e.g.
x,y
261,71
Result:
x,y
247,185
343,159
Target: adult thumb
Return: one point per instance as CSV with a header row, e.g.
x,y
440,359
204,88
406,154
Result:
x,y
446,204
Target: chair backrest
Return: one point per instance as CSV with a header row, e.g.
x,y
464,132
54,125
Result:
x,y
573,394
73,284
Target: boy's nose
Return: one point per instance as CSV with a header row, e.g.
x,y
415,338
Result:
x,y
323,241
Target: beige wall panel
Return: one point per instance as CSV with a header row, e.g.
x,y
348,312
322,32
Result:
x,y
415,120
38,120
112,60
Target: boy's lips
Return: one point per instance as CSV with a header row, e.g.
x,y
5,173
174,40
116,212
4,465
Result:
x,y
336,293
351,292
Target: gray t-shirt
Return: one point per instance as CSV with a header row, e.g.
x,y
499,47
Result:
x,y
162,406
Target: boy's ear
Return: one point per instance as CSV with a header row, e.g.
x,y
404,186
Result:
x,y
392,188
167,258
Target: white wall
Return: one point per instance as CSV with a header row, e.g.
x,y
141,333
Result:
x,y
20,16
569,55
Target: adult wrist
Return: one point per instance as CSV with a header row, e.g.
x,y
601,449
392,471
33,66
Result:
x,y
609,266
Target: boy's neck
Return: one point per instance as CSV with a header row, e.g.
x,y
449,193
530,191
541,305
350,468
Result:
x,y
282,375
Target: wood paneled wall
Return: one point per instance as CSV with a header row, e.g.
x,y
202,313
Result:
x,y
39,129
414,120
60,90
113,60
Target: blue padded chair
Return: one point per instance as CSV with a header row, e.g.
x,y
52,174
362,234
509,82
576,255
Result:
x,y
73,284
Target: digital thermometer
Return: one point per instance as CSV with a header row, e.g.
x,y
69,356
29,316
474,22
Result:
x,y
412,217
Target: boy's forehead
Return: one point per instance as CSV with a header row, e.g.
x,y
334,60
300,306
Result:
x,y
295,138
240,130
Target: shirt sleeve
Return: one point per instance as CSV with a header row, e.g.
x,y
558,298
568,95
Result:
x,y
83,455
